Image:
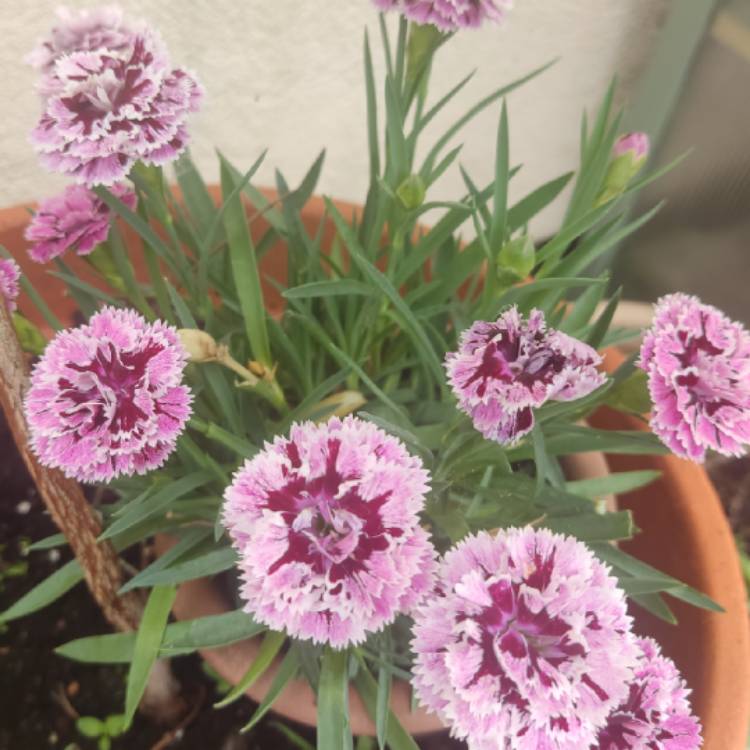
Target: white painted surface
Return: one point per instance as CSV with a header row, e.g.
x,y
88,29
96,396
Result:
x,y
287,75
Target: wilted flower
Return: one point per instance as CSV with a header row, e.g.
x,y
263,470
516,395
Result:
x,y
327,529
107,399
525,643
10,273
449,15
698,366
77,219
108,107
502,370
656,713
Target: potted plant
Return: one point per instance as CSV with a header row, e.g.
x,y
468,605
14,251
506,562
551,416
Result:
x,y
364,426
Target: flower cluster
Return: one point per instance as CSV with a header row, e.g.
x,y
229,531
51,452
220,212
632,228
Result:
x,y
10,273
503,370
327,529
525,644
107,399
656,714
76,219
449,15
698,366
110,98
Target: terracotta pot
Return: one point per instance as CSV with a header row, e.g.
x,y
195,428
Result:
x,y
685,533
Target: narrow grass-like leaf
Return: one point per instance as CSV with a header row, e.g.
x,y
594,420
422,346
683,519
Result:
x,y
403,311
397,737
500,196
619,482
271,645
208,564
522,212
333,701
146,648
287,671
332,288
245,269
46,592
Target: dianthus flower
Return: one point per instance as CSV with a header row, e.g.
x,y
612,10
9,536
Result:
x,y
449,15
656,714
107,107
10,273
525,643
503,370
327,529
82,30
698,366
76,219
635,145
107,399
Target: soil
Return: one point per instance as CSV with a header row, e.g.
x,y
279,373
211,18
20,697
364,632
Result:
x,y
42,695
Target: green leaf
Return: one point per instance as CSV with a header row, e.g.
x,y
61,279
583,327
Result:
x,y
147,643
396,737
599,329
89,726
332,288
190,540
208,564
382,707
372,112
402,310
628,569
245,269
615,484
631,394
522,212
500,198
333,731
31,339
49,542
199,202
158,503
184,637
292,737
44,593
115,725
287,671
593,527
563,439
271,645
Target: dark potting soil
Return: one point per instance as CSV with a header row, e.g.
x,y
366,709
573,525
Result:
x,y
42,695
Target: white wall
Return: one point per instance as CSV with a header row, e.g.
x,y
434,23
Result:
x,y
287,75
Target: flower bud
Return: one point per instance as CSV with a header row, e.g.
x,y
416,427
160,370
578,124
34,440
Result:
x,y
411,192
628,156
516,259
200,346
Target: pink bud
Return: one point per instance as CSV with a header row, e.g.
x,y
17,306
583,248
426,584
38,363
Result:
x,y
636,144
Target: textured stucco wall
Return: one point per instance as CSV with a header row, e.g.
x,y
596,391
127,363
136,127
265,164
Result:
x,y
286,74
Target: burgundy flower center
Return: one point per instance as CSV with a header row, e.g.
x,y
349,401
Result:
x,y
509,628
631,723
331,527
106,389
505,360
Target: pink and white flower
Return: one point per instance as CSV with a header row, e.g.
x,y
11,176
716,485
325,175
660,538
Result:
x,y
326,524
10,273
77,219
525,643
656,714
107,107
502,371
84,30
698,366
107,399
449,15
